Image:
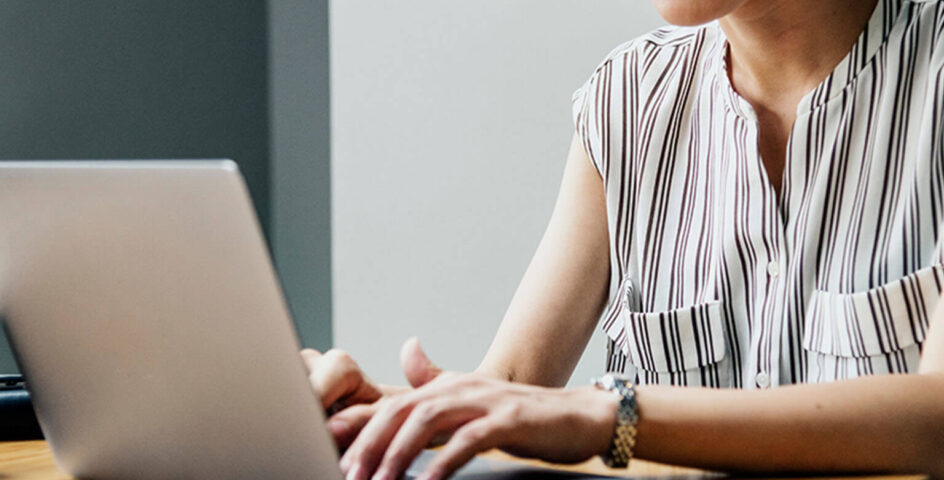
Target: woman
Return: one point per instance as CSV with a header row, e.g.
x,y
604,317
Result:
x,y
753,202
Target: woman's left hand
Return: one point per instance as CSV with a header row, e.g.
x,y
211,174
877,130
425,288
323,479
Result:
x,y
482,413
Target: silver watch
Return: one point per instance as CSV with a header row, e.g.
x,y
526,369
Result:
x,y
624,433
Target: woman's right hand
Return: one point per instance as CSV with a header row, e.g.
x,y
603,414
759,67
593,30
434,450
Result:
x,y
349,397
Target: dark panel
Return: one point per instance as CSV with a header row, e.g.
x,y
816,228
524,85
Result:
x,y
136,79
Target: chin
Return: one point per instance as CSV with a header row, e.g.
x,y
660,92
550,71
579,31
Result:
x,y
695,12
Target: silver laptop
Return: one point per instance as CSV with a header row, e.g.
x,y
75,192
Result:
x,y
145,314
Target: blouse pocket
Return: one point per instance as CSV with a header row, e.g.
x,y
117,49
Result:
x,y
871,332
679,347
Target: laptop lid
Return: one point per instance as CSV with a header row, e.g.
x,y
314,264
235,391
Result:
x,y
144,311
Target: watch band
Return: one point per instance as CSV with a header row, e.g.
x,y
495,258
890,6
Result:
x,y
624,433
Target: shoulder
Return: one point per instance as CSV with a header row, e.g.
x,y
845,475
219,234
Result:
x,y
649,56
641,63
666,40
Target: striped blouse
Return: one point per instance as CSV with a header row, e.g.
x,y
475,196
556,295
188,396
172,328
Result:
x,y
715,280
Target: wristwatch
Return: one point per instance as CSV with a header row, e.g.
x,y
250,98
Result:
x,y
624,433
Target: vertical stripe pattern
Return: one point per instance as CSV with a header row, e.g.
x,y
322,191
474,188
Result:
x,y
715,279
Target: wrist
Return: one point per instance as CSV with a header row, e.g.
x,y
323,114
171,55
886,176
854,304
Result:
x,y
627,418
600,408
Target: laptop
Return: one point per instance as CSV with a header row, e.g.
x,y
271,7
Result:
x,y
144,311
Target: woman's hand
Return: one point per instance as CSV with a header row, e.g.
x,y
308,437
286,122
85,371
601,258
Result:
x,y
348,396
551,424
338,380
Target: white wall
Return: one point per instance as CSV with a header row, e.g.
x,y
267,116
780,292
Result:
x,y
451,122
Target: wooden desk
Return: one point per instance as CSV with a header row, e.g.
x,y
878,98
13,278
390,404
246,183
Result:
x,y
33,461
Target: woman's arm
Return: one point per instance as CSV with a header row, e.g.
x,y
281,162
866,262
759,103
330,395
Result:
x,y
882,423
893,422
555,309
544,332
885,423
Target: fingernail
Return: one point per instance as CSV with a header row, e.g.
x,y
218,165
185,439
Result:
x,y
345,464
382,474
338,427
357,473
428,476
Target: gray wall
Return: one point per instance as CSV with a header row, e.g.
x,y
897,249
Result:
x,y
451,123
136,79
179,79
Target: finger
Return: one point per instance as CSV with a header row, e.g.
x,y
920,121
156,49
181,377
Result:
x,y
362,457
417,367
368,448
425,421
310,356
476,436
346,424
335,375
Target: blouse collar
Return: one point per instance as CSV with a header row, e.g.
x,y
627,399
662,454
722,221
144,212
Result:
x,y
862,53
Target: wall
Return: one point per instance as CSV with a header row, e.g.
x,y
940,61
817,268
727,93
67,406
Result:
x,y
451,122
183,79
450,127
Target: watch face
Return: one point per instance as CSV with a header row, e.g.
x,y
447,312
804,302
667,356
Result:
x,y
624,436
610,381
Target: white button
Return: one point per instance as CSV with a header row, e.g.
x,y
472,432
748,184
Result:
x,y
763,380
773,269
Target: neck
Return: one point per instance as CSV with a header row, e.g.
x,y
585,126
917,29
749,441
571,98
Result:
x,y
782,49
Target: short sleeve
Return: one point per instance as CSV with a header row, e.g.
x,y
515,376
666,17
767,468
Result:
x,y
594,103
583,103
